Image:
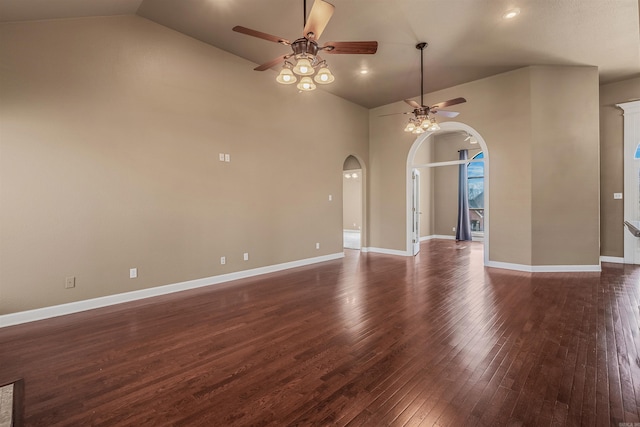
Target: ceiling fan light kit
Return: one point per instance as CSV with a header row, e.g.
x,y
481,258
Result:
x,y
305,50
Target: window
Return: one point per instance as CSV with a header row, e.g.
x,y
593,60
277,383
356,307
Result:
x,y
475,177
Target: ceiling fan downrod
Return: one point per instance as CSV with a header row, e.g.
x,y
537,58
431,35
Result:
x,y
421,46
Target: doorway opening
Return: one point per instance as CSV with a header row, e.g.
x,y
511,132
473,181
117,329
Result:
x,y
352,203
436,156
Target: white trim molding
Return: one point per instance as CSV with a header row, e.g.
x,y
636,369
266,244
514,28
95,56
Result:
x,y
437,236
545,268
90,304
631,134
444,237
613,259
386,251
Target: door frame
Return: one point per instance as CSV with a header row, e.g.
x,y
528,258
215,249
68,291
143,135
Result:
x,y
415,202
631,112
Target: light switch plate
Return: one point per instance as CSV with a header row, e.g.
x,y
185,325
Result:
x,y
70,282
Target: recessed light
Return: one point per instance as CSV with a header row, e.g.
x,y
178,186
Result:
x,y
510,14
364,71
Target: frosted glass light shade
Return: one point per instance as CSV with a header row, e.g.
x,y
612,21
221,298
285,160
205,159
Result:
x,y
306,84
303,67
324,76
286,77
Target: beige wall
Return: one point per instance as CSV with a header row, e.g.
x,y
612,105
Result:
x,y
538,205
111,130
110,135
565,166
499,109
612,164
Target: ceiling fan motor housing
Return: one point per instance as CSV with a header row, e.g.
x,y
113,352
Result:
x,y
304,46
421,113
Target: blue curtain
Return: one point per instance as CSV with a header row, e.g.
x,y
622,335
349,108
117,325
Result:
x,y
463,230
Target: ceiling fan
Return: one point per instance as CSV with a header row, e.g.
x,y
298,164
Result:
x,y
423,119
305,49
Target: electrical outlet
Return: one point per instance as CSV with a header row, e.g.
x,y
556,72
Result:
x,y
454,229
617,196
330,197
246,256
223,260
70,282
133,273
317,245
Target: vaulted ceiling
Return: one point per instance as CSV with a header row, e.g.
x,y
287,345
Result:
x,y
468,39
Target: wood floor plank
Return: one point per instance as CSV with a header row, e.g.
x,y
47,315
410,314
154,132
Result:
x,y
367,340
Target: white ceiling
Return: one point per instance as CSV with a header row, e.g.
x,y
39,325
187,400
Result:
x,y
468,39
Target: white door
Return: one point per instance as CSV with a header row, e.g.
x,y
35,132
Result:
x,y
416,211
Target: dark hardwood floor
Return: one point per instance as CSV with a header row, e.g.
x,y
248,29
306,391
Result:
x,y
371,340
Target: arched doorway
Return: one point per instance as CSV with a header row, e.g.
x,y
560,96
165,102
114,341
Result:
x,y
446,127
353,202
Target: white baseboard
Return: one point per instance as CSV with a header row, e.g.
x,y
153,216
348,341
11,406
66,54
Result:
x,y
503,265
544,268
443,237
614,259
386,251
75,307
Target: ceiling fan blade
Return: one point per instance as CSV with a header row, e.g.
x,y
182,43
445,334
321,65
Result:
x,y
393,114
446,113
260,35
321,12
413,103
271,63
448,103
362,48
